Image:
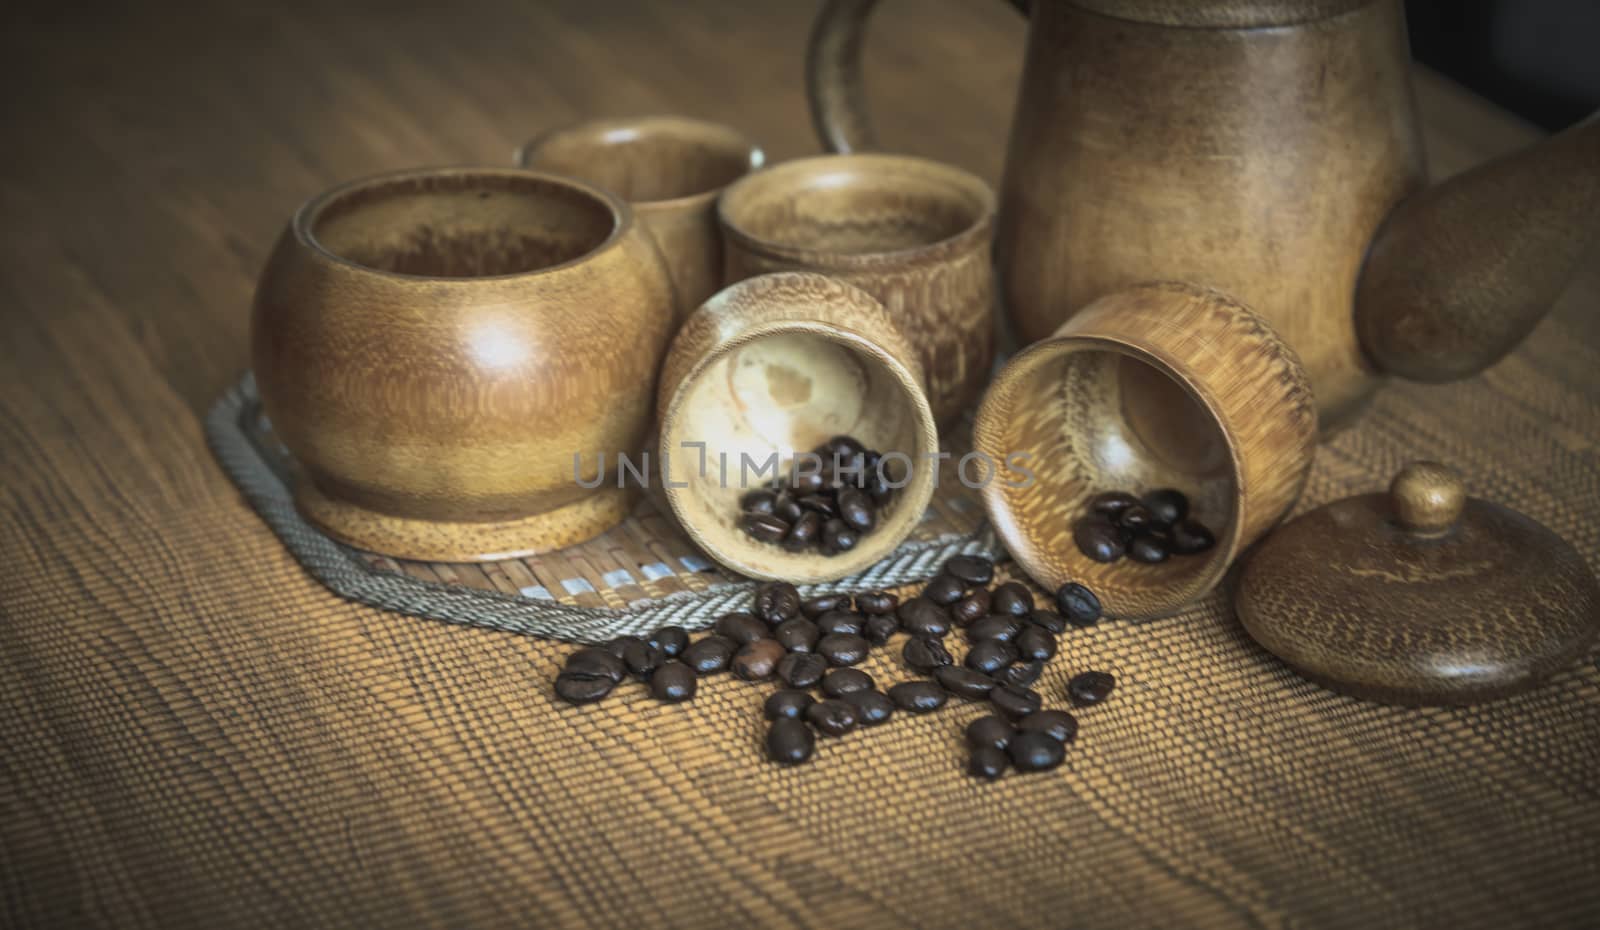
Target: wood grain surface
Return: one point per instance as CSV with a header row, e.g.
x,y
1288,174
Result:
x,y
195,733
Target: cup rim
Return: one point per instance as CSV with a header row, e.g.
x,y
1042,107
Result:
x,y
755,157
976,231
306,216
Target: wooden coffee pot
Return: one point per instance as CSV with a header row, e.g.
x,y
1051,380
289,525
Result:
x,y
1269,149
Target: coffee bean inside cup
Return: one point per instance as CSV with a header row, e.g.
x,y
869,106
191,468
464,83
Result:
x,y
829,499
1148,530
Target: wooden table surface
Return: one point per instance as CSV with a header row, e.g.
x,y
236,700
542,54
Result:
x,y
152,152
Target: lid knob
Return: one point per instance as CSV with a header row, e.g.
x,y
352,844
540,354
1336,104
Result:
x,y
1427,497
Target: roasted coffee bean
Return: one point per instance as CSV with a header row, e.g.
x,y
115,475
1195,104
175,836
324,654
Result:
x,y
787,702
1136,518
616,646
832,717
673,682
877,602
964,682
995,626
1020,675
760,500
806,482
1190,537
872,707
880,627
797,634
1049,621
945,590
990,731
595,660
820,503
1078,604
642,659
842,681
805,532
924,654
710,654
990,655
765,527
1012,599
740,627
840,621
1034,644
757,660
1167,505
1090,687
1013,702
843,648
838,536
671,640
841,447
802,669
970,608
787,509
1112,503
582,687
971,569
1148,548
777,601
988,763
857,509
918,697
1098,539
921,617
1058,723
821,604
1034,751
789,741
877,487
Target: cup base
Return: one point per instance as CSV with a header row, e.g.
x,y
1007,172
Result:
x,y
448,541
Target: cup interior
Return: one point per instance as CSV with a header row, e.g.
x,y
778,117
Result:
x,y
855,205
461,223
1093,416
646,160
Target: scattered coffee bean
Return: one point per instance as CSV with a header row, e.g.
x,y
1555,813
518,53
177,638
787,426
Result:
x,y
995,626
797,634
1167,505
1034,751
990,655
757,660
582,688
970,608
673,682
777,601
921,617
842,681
925,654
1011,598
1049,621
765,527
1078,604
832,717
1089,688
758,501
1147,548
595,660
877,602
1020,675
740,627
787,702
843,648
1191,538
918,697
991,732
880,627
1013,702
671,640
972,569
1034,644
872,707
616,646
789,741
1061,725
988,763
964,682
802,669
710,654
817,606
1112,503
1097,539
642,659
839,621
944,590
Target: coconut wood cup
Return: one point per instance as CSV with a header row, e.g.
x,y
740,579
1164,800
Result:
x,y
670,169
1160,386
913,233
435,347
778,364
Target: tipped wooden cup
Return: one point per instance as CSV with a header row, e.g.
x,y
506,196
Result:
x,y
1159,386
670,169
776,365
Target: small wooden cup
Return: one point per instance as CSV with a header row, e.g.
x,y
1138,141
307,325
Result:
x,y
670,169
1159,386
913,233
779,364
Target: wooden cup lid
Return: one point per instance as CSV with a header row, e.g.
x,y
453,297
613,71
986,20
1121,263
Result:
x,y
1421,595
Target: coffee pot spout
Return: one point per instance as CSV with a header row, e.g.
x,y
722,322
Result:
x,y
1459,273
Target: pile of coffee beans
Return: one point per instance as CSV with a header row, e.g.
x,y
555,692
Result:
x,y
812,647
827,508
1148,529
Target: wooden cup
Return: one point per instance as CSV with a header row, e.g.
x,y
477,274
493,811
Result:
x,y
434,347
913,233
779,364
1159,386
670,169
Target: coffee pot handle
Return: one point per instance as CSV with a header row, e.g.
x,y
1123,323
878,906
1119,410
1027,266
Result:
x,y
833,75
